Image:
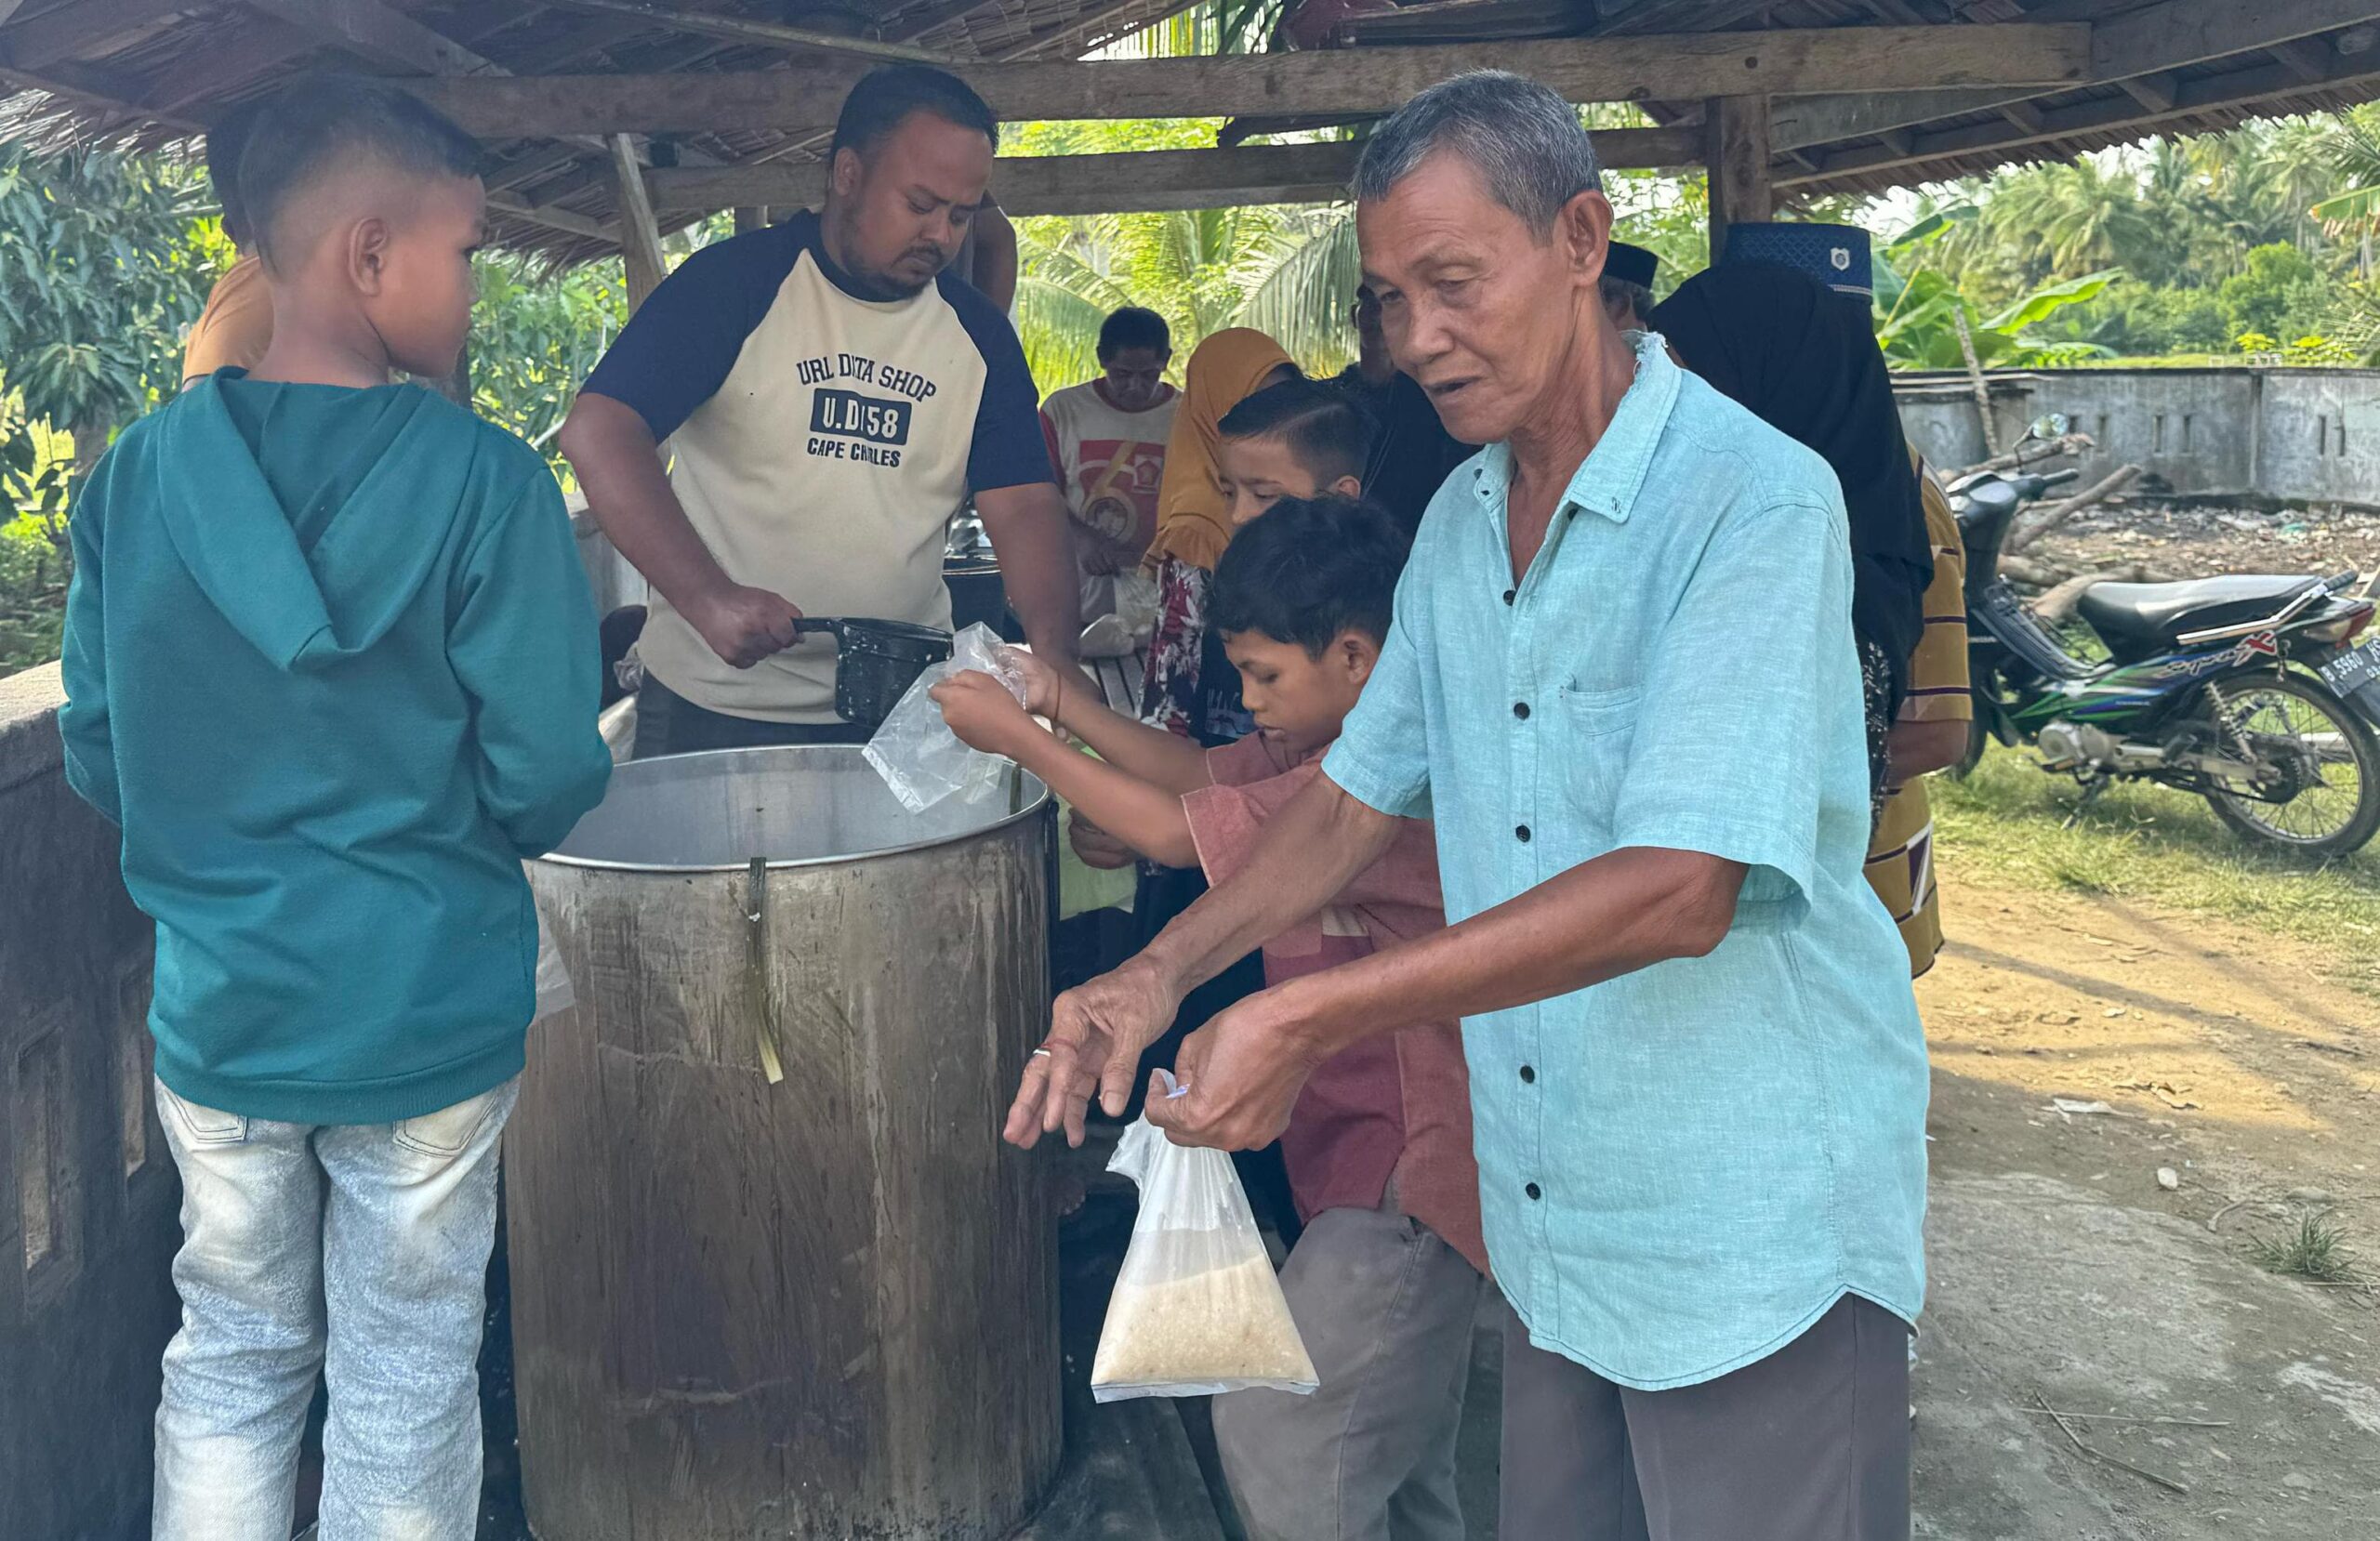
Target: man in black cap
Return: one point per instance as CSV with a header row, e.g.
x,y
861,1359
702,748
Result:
x,y
1628,285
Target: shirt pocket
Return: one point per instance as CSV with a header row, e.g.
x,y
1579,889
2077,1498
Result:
x,y
1598,726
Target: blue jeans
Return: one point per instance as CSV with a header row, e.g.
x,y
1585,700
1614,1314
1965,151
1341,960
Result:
x,y
357,1251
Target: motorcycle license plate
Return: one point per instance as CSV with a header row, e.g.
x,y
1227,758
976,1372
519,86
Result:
x,y
2355,666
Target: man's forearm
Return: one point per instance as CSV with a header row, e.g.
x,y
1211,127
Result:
x,y
1310,850
618,465
1612,916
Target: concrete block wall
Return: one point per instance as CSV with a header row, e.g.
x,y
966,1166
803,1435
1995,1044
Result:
x,y
88,1196
2300,435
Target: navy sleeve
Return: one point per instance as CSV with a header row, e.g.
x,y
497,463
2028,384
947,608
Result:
x,y
1009,450
678,348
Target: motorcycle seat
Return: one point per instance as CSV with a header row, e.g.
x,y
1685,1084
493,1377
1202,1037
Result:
x,y
2156,614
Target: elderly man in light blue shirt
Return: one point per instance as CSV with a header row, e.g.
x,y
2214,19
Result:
x,y
1621,677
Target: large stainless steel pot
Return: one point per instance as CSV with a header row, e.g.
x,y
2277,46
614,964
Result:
x,y
823,1305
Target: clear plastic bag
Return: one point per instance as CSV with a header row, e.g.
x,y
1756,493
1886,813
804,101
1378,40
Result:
x,y
915,752
1197,1310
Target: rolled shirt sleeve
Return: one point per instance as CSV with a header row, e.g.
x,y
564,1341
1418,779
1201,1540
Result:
x,y
1728,757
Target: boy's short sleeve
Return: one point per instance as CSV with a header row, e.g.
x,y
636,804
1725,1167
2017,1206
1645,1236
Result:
x,y
679,347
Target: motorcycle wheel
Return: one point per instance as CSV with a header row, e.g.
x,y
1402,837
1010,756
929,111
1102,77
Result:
x,y
2324,821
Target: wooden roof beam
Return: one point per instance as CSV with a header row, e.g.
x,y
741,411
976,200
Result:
x,y
2310,57
2195,32
65,30
766,35
2143,45
2232,89
377,32
1138,181
1618,69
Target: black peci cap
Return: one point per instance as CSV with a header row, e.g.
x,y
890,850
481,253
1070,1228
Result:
x,y
1629,264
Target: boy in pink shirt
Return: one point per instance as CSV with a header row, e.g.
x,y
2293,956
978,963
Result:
x,y
1386,1281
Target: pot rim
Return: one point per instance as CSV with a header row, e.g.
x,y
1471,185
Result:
x,y
1040,796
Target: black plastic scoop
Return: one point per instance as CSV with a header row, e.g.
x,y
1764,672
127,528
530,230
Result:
x,y
876,661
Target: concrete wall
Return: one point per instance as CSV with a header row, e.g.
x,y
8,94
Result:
x,y
88,1195
2300,435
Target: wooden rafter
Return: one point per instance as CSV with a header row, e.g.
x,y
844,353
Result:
x,y
736,29
1138,181
65,30
2234,89
379,33
1808,59
2142,46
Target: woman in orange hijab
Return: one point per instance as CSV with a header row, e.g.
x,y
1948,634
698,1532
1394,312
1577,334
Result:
x,y
1193,525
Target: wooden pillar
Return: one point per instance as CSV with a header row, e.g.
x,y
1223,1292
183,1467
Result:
x,y
751,217
1736,151
640,235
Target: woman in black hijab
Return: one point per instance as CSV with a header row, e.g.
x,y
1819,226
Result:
x,y
1804,359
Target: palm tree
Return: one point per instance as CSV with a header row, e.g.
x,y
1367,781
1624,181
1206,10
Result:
x,y
1289,273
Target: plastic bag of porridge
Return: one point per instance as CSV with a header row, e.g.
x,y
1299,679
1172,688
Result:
x,y
1196,1309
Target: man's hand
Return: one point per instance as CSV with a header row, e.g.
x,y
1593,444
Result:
x,y
1095,847
1098,1032
1244,1071
744,624
979,709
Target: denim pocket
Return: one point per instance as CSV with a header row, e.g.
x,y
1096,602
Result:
x,y
202,1126
449,1131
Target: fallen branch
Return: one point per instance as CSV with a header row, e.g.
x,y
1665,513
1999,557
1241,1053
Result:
x,y
2117,1461
2057,604
2216,1219
2058,513
2032,453
2120,1418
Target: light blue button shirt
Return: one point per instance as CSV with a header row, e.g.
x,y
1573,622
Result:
x,y
1681,1168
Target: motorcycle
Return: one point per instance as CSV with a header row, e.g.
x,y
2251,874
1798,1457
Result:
x,y
2258,692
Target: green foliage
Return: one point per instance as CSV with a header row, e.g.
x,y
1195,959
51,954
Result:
x,y
105,259
2314,1247
1288,270
535,336
2278,284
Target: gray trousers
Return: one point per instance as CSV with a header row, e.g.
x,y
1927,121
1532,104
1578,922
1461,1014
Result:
x,y
1386,1310
1809,1445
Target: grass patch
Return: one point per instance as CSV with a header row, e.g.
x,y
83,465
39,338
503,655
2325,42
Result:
x,y
2314,1248
2009,823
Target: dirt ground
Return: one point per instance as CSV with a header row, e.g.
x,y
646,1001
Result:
x,y
2198,540
2063,1270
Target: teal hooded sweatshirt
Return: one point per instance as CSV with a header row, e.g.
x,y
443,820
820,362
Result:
x,y
331,664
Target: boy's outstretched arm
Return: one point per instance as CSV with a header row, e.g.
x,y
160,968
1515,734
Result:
x,y
1145,816
523,644
83,723
1175,763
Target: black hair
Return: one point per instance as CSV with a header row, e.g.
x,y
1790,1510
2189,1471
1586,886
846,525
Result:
x,y
1328,433
316,125
885,98
1613,290
226,137
1132,326
1308,569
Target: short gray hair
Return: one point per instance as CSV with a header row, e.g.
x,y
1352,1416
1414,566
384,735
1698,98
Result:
x,y
1524,139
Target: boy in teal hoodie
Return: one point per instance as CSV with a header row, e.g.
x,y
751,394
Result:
x,y
331,664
